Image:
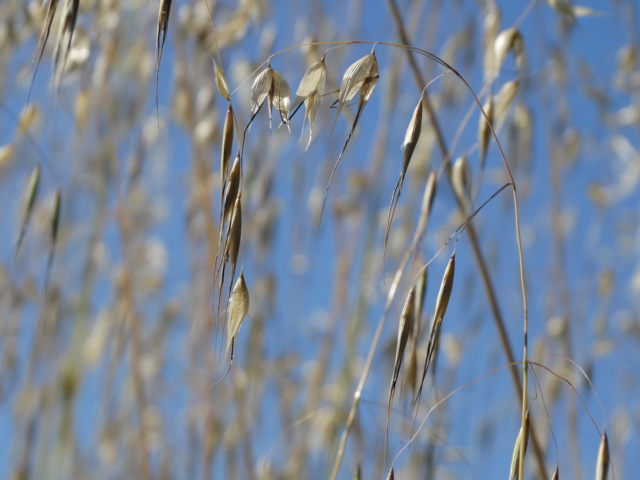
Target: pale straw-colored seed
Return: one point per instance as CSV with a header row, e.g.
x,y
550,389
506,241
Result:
x,y
509,40
227,144
65,35
421,291
29,196
310,92
491,27
572,11
231,189
238,309
271,86
407,319
361,76
484,129
427,201
602,468
445,290
411,136
515,457
232,246
55,217
461,180
556,474
502,102
221,81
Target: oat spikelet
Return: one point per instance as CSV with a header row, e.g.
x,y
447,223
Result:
x,y
42,41
227,144
503,100
55,227
238,309
65,35
515,457
310,93
221,81
272,87
232,245
427,201
231,190
161,36
411,137
556,474
484,130
30,195
446,286
461,180
362,76
602,467
509,40
407,319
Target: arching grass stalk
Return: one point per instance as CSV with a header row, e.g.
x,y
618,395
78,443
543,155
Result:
x,y
364,375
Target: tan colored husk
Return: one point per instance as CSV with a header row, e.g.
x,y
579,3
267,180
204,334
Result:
x,y
602,467
421,290
231,189
461,180
484,130
427,201
65,35
310,92
445,290
509,40
407,319
221,81
515,458
491,28
361,76
271,86
502,102
411,136
238,310
232,245
227,144
30,195
556,474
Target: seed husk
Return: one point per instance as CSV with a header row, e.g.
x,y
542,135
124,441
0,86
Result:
x,y
221,81
602,468
238,309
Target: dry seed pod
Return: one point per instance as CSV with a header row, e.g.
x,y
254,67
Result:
x,y
221,81
227,143
444,294
408,145
271,86
232,245
491,27
427,201
361,76
484,129
556,474
30,195
461,180
231,189
421,290
503,101
509,40
44,37
65,35
310,92
161,36
238,309
404,330
602,468
515,457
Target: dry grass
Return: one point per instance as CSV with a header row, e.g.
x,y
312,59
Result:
x,y
131,251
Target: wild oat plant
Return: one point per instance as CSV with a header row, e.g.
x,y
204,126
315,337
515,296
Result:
x,y
319,240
